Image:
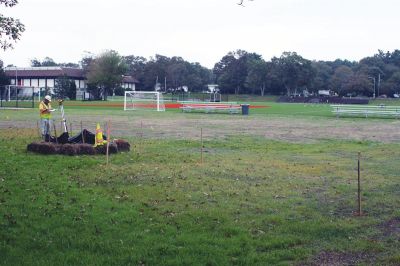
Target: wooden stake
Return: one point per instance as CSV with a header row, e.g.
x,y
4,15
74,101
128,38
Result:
x,y
359,184
141,129
83,136
38,130
201,150
55,133
108,140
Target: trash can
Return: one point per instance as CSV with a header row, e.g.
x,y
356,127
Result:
x,y
245,109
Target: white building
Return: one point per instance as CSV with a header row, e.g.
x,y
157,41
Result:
x,y
43,78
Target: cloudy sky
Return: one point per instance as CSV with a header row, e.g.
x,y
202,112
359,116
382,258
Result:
x,y
203,30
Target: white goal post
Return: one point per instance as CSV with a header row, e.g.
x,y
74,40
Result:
x,y
135,100
17,96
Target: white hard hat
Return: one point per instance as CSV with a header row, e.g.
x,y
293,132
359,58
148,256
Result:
x,y
48,97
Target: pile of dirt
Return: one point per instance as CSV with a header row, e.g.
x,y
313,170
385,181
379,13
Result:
x,y
78,148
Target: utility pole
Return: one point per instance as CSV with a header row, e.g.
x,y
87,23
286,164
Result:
x,y
16,76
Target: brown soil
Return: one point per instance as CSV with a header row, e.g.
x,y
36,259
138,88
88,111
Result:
x,y
187,126
391,228
330,258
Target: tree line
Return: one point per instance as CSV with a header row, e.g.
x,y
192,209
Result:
x,y
242,72
291,74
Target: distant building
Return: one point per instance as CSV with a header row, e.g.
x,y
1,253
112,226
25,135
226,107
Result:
x,y
324,92
212,88
44,78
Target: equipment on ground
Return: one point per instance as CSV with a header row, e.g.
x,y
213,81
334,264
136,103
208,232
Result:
x,y
144,100
63,138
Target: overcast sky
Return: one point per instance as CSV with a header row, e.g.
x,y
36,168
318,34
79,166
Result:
x,y
203,30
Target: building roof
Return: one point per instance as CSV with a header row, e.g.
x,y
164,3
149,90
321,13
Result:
x,y
129,79
53,72
44,72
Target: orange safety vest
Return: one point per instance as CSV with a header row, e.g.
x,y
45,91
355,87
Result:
x,y
44,110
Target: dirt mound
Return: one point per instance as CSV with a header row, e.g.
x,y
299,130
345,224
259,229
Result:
x,y
78,148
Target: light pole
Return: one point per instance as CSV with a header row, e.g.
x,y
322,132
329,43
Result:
x,y
379,83
374,84
16,76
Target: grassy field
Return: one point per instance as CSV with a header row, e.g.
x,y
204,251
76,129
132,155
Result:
x,y
260,196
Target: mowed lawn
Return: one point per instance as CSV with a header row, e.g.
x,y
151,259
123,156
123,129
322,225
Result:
x,y
251,200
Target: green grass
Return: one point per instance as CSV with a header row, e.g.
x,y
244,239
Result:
x,y
253,201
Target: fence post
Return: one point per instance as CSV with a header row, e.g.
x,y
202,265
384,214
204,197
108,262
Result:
x,y
201,140
359,184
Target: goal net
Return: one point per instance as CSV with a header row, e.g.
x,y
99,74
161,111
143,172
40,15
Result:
x,y
150,100
16,96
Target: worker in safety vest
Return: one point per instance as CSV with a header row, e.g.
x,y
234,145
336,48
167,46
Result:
x,y
45,115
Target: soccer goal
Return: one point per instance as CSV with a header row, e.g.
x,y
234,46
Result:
x,y
150,100
17,96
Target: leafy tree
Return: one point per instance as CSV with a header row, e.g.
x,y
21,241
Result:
x,y
177,70
323,73
10,28
257,75
72,65
392,85
4,80
106,72
47,61
340,78
231,71
294,71
198,77
65,87
155,71
136,67
358,84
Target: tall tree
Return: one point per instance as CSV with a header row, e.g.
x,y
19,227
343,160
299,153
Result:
x,y
257,75
323,72
340,78
10,28
4,80
231,71
295,72
47,61
65,87
136,67
155,71
106,73
198,76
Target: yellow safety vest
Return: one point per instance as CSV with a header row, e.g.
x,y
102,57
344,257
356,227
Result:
x,y
44,110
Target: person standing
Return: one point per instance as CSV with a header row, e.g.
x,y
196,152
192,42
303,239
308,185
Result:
x,y
45,116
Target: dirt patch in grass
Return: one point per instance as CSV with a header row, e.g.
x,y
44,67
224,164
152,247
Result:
x,y
187,126
391,228
332,258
